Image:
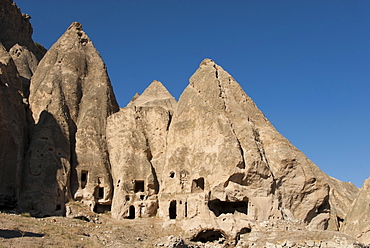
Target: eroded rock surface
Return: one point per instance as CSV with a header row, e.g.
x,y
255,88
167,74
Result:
x,y
13,130
17,64
230,162
357,221
70,99
137,140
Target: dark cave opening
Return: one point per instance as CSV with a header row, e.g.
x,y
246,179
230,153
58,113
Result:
x,y
223,207
209,235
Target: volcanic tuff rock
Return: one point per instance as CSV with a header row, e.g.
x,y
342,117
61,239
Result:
x,y
19,57
136,137
211,161
13,129
357,222
221,147
15,28
70,98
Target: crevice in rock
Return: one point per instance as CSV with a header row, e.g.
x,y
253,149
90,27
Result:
x,y
169,120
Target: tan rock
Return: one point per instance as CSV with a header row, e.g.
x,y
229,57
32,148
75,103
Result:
x,y
136,138
222,148
357,221
70,99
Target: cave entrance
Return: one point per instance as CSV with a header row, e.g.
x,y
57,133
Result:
x,y
100,208
223,207
131,213
172,210
100,193
84,174
197,185
209,235
139,186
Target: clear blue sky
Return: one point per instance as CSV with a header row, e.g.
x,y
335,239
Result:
x,y
306,64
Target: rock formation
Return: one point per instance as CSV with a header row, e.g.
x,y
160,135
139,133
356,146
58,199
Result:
x,y
227,158
19,57
13,128
70,99
211,162
357,221
136,138
217,162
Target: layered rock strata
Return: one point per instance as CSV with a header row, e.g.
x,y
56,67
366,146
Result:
x,y
70,99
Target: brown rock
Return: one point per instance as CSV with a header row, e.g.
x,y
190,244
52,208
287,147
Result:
x,y
13,129
70,99
136,138
15,28
357,221
227,158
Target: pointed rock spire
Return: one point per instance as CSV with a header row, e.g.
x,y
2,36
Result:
x,y
136,137
70,98
155,95
220,142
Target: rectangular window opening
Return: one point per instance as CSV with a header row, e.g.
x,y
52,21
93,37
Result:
x,y
139,186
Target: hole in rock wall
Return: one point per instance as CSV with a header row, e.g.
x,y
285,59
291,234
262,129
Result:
x,y
84,178
131,213
223,207
172,210
127,198
209,235
138,186
186,209
172,174
100,192
100,208
142,197
197,185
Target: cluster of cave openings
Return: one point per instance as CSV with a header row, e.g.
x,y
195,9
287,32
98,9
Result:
x,y
172,210
197,185
138,186
84,175
224,207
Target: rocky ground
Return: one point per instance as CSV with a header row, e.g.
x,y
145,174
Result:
x,y
25,231
22,230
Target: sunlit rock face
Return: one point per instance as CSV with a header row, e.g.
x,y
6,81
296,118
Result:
x,y
357,221
222,148
136,138
214,161
70,99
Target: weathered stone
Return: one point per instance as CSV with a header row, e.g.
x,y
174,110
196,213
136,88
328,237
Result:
x,y
136,138
357,221
26,63
17,66
221,146
13,130
70,99
15,28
